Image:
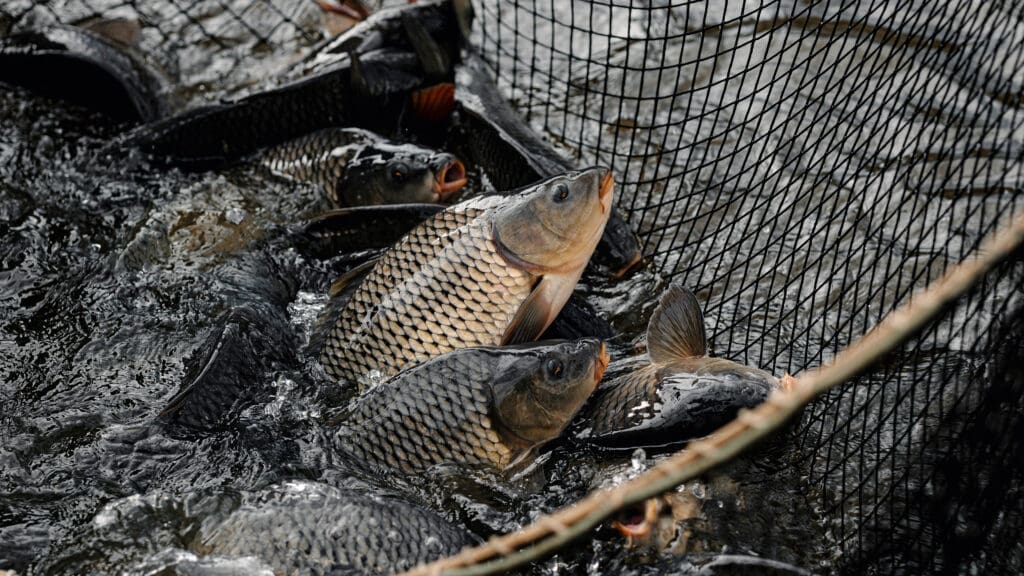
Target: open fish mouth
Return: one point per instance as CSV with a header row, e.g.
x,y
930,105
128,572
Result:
x,y
354,9
637,520
601,363
450,178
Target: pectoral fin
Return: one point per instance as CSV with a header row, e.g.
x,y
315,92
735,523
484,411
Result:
x,y
530,321
676,329
539,309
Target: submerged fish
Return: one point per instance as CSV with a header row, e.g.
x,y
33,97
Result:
x,y
358,168
676,392
313,529
83,67
479,406
389,66
492,270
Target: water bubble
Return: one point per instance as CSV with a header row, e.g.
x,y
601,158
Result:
x,y
698,490
235,216
639,460
372,378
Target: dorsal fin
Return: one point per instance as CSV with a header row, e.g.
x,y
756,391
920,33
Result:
x,y
676,329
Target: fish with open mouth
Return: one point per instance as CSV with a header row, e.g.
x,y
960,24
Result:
x,y
359,168
489,271
482,406
676,392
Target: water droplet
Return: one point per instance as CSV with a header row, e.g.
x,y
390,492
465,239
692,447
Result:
x,y
698,490
639,459
372,378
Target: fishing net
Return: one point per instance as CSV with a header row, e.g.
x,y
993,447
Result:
x,y
804,167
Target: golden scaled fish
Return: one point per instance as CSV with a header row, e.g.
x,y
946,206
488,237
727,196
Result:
x,y
483,406
490,271
359,168
676,392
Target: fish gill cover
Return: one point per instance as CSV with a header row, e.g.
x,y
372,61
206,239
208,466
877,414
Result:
x,y
802,166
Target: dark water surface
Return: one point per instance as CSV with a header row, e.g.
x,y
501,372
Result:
x,y
798,232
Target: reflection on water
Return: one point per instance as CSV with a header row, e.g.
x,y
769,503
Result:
x,y
802,166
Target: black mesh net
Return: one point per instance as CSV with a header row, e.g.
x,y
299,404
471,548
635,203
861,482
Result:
x,y
804,167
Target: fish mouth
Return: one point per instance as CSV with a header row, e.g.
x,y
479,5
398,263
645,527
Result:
x,y
449,179
354,9
636,522
601,362
634,264
605,192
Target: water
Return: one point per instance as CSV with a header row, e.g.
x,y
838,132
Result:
x,y
112,280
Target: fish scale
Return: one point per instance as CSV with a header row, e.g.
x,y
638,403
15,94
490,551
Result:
x,y
366,533
397,424
406,309
319,157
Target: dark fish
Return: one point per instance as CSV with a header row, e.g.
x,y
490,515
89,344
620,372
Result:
x,y
371,85
83,67
677,392
357,168
306,528
478,406
487,133
492,270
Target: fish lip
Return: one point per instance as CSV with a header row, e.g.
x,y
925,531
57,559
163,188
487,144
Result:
x,y
605,193
634,264
356,12
601,362
449,179
643,527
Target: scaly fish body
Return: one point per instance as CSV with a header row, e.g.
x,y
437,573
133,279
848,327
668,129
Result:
x,y
318,530
676,392
489,271
477,406
359,168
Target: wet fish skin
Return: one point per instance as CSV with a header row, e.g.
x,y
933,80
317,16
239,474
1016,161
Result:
x,y
215,135
492,270
383,29
676,392
655,406
482,406
489,134
359,168
335,531
85,68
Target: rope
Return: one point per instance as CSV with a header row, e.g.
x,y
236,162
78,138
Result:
x,y
555,530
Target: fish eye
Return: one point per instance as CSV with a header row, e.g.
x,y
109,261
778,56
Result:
x,y
561,193
398,171
554,368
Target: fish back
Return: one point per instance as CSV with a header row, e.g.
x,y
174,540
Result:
x,y
438,412
443,287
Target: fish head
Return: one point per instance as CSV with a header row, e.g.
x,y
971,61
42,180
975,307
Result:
x,y
542,386
553,226
657,524
389,173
